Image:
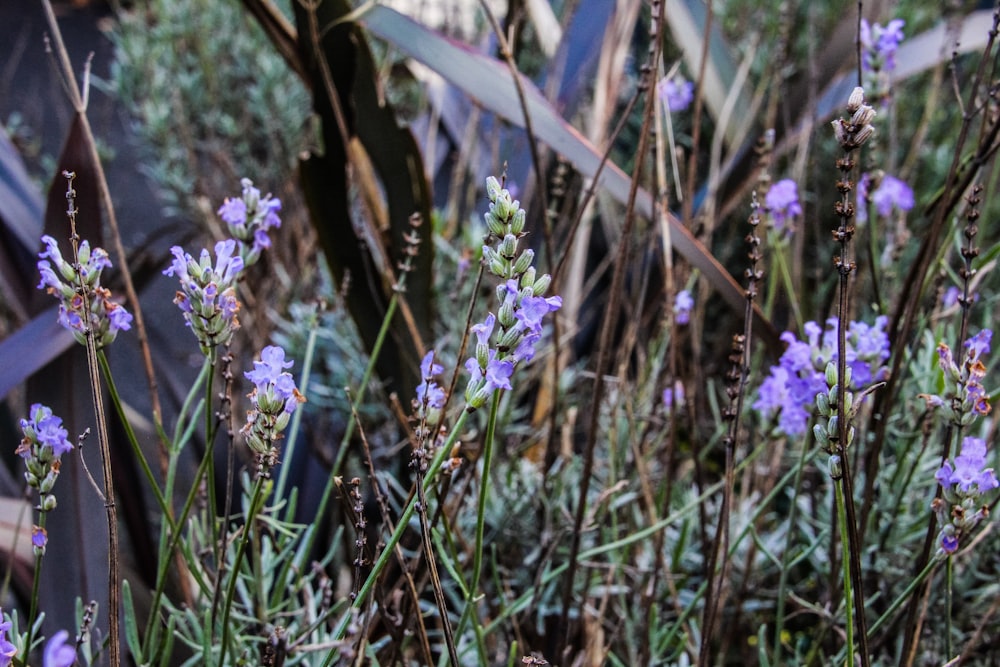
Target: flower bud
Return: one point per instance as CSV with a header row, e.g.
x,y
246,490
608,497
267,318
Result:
x,y
517,224
492,188
831,374
542,284
494,224
823,404
48,503
835,467
523,261
856,99
820,434
508,247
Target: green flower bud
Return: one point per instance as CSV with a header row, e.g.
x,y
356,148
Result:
x,y
492,188
517,224
836,469
523,261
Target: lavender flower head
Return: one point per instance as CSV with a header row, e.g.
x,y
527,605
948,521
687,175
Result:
x,y
782,202
879,45
249,218
521,295
273,400
208,293
58,651
963,397
676,92
64,281
890,195
878,55
789,392
44,442
7,648
683,303
964,484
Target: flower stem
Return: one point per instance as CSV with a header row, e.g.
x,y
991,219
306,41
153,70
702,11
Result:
x,y
845,551
256,502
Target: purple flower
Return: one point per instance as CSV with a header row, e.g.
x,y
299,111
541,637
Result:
x,y
273,400
7,649
248,219
59,653
672,394
233,212
39,538
969,475
533,309
879,44
270,368
789,392
429,393
46,430
484,329
208,292
979,344
782,202
890,194
683,303
676,92
498,372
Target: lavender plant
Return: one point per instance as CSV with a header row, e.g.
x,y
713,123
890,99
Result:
x,y
695,528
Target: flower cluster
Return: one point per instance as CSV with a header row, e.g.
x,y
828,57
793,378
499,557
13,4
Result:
x,y
44,442
676,92
783,207
790,390
69,283
522,304
208,293
248,218
964,484
852,133
962,393
273,400
878,54
889,194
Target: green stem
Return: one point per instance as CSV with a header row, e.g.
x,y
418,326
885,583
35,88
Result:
x,y
948,603
484,488
779,615
844,552
256,501
33,612
109,380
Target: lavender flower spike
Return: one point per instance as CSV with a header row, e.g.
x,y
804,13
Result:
x,y
962,504
44,442
273,400
249,218
208,293
782,202
105,317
